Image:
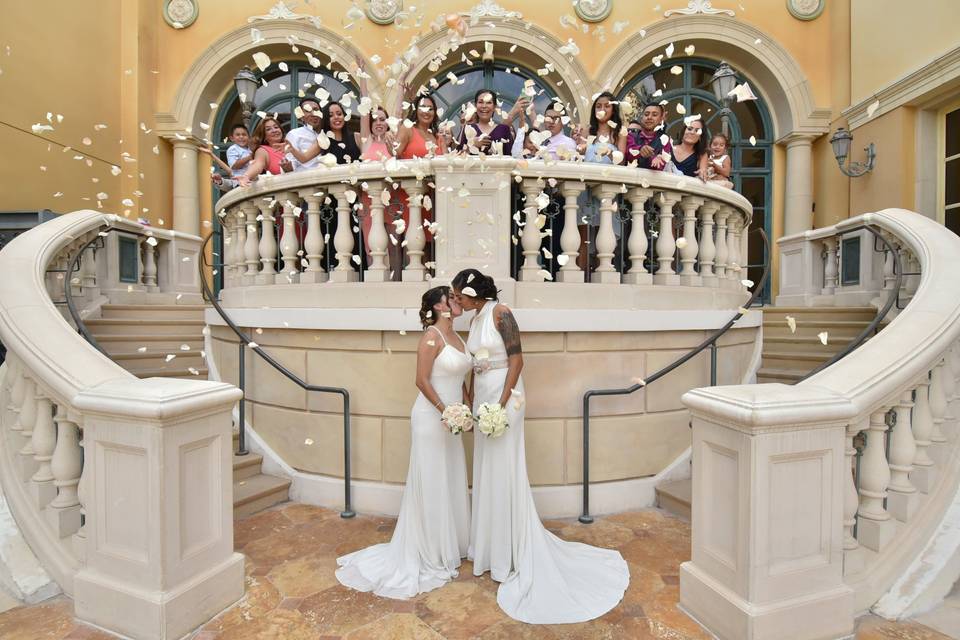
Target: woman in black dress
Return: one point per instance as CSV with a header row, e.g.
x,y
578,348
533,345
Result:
x,y
688,151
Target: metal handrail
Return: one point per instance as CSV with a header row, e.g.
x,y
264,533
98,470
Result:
x,y
71,305
245,341
710,342
857,341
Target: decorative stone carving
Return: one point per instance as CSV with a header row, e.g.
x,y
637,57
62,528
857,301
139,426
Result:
x,y
180,14
593,10
383,11
806,9
281,11
490,9
698,6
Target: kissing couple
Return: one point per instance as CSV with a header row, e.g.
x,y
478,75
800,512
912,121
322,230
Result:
x,y
543,579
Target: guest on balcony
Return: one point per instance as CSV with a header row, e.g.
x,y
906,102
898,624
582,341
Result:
x,y
239,156
425,138
715,164
378,147
481,134
337,141
647,144
378,143
269,152
689,151
559,146
305,136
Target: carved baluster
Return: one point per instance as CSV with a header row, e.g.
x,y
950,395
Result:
x,y
268,243
637,244
708,250
313,244
83,489
289,244
875,528
902,497
28,418
150,263
239,240
666,244
88,271
830,271
378,238
44,440
251,248
734,227
570,237
414,235
949,391
17,390
923,466
530,234
66,466
230,257
606,238
720,261
690,248
938,407
343,238
851,500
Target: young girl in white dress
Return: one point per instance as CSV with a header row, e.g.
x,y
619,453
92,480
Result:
x,y
545,580
433,527
715,164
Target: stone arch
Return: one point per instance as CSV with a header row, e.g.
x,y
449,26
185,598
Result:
x,y
767,66
535,48
211,75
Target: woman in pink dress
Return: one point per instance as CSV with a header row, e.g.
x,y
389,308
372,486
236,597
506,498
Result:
x,y
378,147
269,154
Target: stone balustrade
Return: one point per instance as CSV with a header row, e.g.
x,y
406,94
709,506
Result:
x,y
816,501
524,222
121,487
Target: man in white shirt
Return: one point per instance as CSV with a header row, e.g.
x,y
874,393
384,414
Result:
x,y
559,146
304,136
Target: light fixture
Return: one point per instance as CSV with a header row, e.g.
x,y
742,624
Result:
x,y
841,141
723,82
246,84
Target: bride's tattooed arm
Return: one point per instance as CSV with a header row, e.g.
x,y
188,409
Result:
x,y
509,331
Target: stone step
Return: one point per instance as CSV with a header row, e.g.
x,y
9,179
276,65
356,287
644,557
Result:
x,y
127,326
866,314
153,342
837,330
153,311
246,466
157,358
675,497
802,344
258,493
787,361
173,370
779,375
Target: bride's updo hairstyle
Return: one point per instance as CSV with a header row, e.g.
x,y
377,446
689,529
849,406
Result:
x,y
483,286
433,296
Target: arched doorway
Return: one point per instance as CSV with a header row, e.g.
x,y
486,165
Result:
x,y
752,160
282,85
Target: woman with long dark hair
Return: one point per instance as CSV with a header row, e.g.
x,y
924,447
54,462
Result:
x,y
544,580
690,149
340,142
481,133
269,150
433,527
425,138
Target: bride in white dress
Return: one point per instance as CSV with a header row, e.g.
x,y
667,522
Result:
x,y
544,580
433,527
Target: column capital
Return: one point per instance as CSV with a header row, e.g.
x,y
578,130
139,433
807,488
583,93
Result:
x,y
797,138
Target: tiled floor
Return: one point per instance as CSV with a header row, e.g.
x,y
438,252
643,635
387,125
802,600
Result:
x,y
292,593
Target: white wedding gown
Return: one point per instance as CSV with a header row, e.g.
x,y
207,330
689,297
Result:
x,y
433,527
545,580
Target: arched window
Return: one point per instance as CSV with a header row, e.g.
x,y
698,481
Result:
x,y
752,161
505,79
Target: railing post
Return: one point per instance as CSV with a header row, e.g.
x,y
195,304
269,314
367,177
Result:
x,y
689,251
414,235
637,244
17,392
902,495
239,240
44,440
606,239
63,512
150,264
268,243
851,499
251,248
570,237
830,271
938,407
924,470
734,227
708,250
348,511
530,270
313,244
377,271
585,517
666,245
28,419
720,261
875,528
289,244
88,272
241,407
343,238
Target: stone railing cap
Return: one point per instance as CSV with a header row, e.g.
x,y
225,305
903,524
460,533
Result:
x,y
156,398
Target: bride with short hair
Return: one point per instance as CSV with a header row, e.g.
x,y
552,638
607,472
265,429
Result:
x,y
544,580
433,527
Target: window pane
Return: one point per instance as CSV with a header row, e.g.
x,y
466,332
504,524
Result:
x,y
951,181
952,220
753,157
748,116
276,85
701,76
953,133
753,189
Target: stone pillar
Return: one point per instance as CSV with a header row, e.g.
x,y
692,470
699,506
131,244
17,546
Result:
x,y
414,234
666,245
875,529
313,244
186,188
638,243
708,250
798,200
530,271
606,238
905,447
690,249
570,237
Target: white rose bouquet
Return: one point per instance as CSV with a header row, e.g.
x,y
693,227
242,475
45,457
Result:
x,y
458,418
492,420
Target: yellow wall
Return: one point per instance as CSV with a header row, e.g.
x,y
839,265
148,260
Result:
x,y
890,38
890,184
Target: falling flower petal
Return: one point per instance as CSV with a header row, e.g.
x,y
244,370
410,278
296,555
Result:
x,y
872,109
823,337
792,323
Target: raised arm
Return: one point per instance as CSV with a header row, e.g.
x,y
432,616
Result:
x,y
216,159
427,351
261,160
303,156
507,328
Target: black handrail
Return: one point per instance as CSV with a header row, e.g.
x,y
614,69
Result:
x,y
71,305
585,517
856,342
245,341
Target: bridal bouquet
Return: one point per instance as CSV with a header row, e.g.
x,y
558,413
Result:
x,y
458,418
492,420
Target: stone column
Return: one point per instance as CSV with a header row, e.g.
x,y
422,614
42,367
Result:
x,y
606,239
251,246
638,244
830,267
570,237
708,250
414,234
186,188
666,245
798,200
875,529
343,238
378,270
289,244
905,448
688,253
313,244
530,233
923,473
